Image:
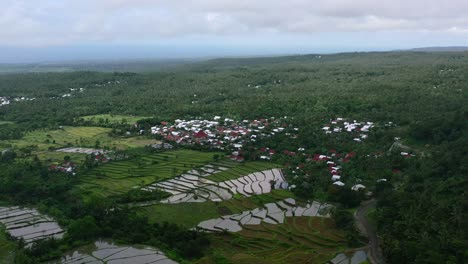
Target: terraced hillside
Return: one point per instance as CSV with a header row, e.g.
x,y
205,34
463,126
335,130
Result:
x,y
191,214
298,240
240,170
193,187
271,213
121,176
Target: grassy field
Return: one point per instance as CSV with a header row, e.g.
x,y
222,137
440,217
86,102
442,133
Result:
x,y
298,240
121,176
77,137
240,169
190,214
113,119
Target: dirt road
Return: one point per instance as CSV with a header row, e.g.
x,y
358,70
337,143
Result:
x,y
374,252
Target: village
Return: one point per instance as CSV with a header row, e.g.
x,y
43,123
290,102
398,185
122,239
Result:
x,y
6,100
223,133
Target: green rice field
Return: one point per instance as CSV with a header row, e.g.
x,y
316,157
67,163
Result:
x,y
113,119
118,177
298,240
77,137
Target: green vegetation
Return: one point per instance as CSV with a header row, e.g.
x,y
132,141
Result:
x,y
121,176
91,137
7,247
5,123
68,136
113,119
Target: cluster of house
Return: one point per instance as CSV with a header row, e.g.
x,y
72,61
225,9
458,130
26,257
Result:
x,y
4,101
162,146
66,166
222,133
71,93
339,125
7,101
277,82
407,154
332,160
107,83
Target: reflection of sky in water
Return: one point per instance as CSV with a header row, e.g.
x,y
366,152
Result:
x,y
29,224
108,252
191,188
273,213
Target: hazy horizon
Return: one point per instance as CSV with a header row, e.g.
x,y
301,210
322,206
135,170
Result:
x,y
68,30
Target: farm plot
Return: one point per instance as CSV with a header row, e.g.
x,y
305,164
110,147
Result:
x,y
298,240
110,253
88,151
191,214
196,188
240,169
68,136
271,213
118,177
29,224
113,119
78,137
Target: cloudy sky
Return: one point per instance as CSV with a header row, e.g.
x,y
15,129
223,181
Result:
x,y
41,30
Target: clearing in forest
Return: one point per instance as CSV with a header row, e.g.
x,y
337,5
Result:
x,y
91,137
113,119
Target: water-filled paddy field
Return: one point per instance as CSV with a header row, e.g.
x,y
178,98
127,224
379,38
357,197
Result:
x,y
29,224
194,187
107,252
271,213
299,239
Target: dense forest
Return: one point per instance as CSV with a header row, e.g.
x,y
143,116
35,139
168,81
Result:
x,y
421,213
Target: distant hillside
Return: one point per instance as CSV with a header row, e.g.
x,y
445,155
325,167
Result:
x,y
355,58
98,65
442,49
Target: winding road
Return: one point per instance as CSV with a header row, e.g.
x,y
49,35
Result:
x,y
374,252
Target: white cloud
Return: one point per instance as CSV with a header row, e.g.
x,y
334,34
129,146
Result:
x,y
50,22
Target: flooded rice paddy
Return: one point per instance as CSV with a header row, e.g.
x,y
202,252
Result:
x,y
194,187
29,224
357,258
88,151
271,213
108,252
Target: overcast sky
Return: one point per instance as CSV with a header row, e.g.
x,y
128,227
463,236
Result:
x,y
41,30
